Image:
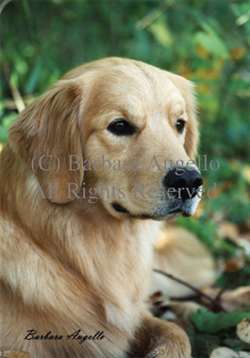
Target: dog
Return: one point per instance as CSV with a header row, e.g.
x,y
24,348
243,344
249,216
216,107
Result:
x,y
83,186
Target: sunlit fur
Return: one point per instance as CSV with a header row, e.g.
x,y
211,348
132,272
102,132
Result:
x,y
67,264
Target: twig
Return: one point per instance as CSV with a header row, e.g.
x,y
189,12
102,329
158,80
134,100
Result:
x,y
17,97
10,103
219,294
214,304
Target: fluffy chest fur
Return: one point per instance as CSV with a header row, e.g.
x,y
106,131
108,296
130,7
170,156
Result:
x,y
65,263
82,269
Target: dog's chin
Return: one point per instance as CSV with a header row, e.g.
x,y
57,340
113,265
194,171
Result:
x,y
185,208
189,206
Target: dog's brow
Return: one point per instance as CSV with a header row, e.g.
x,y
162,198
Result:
x,y
175,106
178,109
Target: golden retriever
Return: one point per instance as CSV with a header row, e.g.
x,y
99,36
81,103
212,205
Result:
x,y
83,188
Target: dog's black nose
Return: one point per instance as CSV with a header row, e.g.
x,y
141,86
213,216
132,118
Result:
x,y
182,182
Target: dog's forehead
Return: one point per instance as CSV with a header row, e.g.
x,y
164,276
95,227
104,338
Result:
x,y
131,86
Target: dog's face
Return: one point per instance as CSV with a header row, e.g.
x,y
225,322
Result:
x,y
134,128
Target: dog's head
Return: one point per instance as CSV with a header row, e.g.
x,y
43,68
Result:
x,y
120,127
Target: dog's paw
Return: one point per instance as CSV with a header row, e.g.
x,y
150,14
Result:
x,y
173,343
169,351
161,339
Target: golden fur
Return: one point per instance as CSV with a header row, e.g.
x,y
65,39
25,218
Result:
x,y
68,264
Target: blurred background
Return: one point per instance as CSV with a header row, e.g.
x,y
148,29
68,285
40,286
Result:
x,y
207,41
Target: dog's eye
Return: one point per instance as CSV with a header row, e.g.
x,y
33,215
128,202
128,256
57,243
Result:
x,y
121,127
180,125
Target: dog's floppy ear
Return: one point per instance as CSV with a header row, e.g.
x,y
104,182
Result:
x,y
47,136
192,134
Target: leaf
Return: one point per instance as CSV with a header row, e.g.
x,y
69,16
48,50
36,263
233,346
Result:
x,y
9,120
202,343
236,344
34,76
224,352
209,322
211,41
161,32
243,330
4,126
3,134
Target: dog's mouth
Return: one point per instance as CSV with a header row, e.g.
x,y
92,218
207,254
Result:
x,y
155,216
119,208
185,207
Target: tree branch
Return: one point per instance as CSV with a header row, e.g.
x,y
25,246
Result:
x,y
212,302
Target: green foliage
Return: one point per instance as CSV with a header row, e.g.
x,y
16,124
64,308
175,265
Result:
x,y
204,229
6,123
205,41
210,330
210,322
230,280
204,343
211,48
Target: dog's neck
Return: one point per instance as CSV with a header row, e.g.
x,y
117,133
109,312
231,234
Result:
x,y
77,229
85,245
